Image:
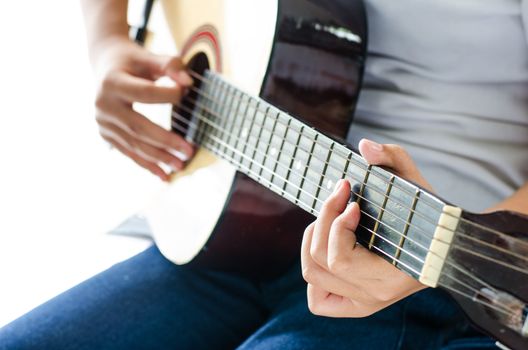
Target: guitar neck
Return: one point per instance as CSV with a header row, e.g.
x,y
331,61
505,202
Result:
x,y
406,225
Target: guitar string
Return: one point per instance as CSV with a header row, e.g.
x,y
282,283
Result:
x,y
351,174
492,246
383,238
472,298
247,105
324,162
462,234
203,118
242,94
505,308
217,150
519,241
180,118
519,269
239,164
488,229
305,178
220,80
376,190
454,265
224,155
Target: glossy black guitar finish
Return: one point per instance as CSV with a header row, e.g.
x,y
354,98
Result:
x,y
314,75
494,248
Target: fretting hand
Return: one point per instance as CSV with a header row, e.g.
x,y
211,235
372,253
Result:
x,y
345,279
127,74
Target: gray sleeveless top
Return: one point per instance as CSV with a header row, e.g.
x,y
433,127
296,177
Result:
x,y
448,80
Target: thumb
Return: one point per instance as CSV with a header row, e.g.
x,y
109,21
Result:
x,y
394,157
171,66
175,69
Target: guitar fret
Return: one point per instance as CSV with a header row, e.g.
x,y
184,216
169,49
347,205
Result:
x,y
197,124
199,127
261,129
292,162
222,115
240,116
241,127
380,213
363,184
279,152
347,164
321,181
231,118
192,130
281,155
227,119
302,158
208,129
269,141
306,166
250,130
406,228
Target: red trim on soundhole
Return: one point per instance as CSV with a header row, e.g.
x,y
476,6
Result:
x,y
207,34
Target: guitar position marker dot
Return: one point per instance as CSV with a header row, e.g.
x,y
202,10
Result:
x,y
273,151
329,184
244,132
298,165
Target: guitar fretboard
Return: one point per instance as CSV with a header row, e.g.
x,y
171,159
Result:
x,y
303,165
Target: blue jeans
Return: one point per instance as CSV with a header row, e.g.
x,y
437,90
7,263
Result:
x,y
147,302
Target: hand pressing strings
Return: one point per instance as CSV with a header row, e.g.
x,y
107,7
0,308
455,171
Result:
x,y
344,278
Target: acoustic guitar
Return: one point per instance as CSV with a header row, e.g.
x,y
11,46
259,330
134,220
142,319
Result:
x,y
269,110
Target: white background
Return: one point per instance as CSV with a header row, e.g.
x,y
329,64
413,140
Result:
x,y
61,188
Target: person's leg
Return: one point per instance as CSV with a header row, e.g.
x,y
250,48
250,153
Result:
x,y
427,320
433,319
145,302
293,326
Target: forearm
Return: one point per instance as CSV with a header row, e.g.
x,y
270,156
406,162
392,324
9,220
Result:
x,y
105,20
517,202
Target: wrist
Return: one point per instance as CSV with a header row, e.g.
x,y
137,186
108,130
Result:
x,y
102,47
517,202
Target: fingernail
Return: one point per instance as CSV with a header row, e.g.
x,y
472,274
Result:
x,y
353,206
374,145
184,157
184,78
181,154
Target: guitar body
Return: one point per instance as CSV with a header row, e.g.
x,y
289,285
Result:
x,y
269,159
243,226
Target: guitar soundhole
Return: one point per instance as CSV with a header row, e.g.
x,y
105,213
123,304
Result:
x,y
183,122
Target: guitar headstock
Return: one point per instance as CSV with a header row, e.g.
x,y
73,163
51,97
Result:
x,y
486,272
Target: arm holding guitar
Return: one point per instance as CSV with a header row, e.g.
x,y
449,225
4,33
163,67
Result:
x,y
126,73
